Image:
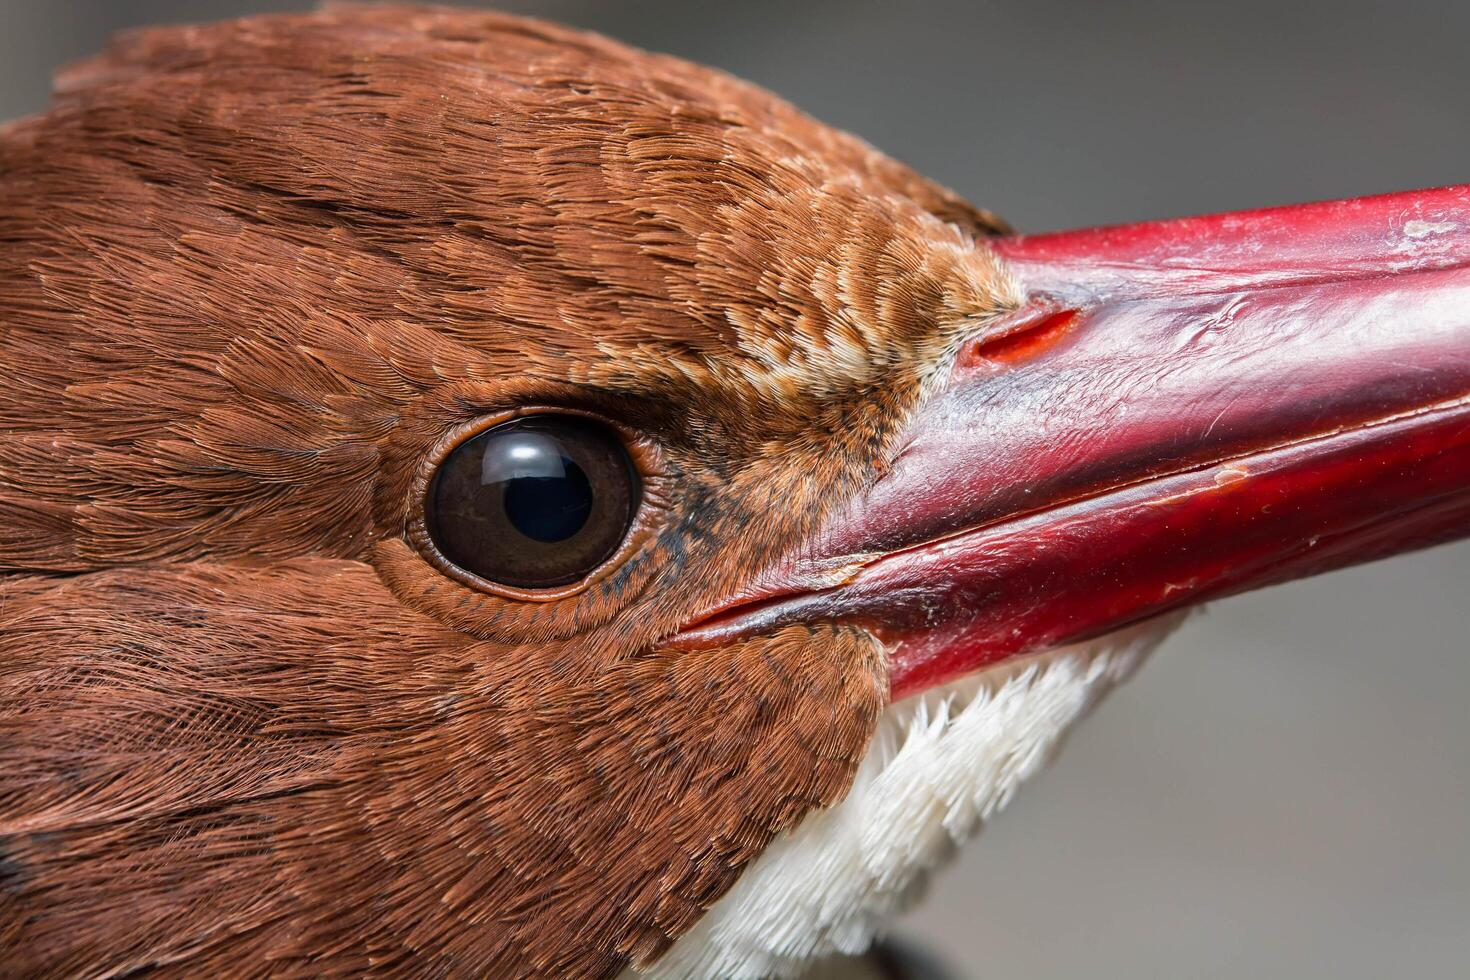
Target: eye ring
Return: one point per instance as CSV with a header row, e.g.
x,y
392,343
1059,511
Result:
x,y
643,458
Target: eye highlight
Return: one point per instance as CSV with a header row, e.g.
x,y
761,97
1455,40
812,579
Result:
x,y
538,502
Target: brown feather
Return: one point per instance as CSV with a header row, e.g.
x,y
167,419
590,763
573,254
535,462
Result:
x,y
253,274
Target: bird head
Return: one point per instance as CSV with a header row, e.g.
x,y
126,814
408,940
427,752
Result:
x,y
476,498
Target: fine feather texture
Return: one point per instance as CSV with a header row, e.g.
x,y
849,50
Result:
x,y
291,766
254,276
941,763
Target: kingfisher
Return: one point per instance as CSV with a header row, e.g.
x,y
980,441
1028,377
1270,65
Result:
x,y
477,499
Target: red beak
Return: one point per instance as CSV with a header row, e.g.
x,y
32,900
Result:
x,y
1186,409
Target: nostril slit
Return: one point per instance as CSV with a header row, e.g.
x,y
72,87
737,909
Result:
x,y
1033,332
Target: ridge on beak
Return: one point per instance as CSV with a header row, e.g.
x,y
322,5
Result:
x,y
1183,410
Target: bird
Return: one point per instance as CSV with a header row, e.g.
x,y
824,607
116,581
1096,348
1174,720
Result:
x,y
477,499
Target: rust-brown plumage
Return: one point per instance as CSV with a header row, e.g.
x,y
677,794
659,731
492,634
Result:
x,y
254,275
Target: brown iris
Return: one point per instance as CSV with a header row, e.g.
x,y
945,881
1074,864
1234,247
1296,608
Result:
x,y
535,503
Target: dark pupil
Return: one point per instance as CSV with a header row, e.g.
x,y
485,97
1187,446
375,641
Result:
x,y
550,508
537,502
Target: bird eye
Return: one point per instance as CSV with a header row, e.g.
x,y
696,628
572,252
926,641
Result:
x,y
537,502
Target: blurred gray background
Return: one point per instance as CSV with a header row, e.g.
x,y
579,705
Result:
x,y
1285,790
